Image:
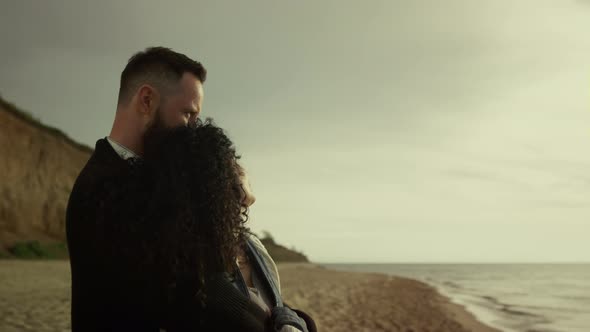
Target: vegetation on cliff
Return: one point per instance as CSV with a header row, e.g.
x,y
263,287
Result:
x,y
280,253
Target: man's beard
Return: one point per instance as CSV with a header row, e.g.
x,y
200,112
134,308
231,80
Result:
x,y
155,133
157,130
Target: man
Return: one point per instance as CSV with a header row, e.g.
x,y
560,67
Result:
x,y
159,88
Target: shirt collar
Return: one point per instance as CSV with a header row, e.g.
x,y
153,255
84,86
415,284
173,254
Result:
x,y
121,150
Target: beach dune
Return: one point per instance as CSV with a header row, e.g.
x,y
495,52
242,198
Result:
x,y
35,296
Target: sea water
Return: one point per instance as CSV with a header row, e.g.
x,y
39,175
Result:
x,y
510,297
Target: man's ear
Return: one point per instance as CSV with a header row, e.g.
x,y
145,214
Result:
x,y
148,99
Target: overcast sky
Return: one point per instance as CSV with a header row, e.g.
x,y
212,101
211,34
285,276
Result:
x,y
373,131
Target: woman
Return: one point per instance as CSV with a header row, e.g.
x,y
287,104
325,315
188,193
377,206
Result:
x,y
261,276
190,223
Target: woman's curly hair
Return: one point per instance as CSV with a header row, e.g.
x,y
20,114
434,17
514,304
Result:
x,y
188,212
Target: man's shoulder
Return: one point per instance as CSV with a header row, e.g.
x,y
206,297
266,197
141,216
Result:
x,y
100,167
103,163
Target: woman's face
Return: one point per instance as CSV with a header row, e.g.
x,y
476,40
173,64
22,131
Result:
x,y
250,198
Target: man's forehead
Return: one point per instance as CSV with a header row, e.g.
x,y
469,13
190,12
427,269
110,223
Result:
x,y
191,83
189,90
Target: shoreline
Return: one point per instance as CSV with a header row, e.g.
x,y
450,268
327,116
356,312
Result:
x,y
35,296
363,301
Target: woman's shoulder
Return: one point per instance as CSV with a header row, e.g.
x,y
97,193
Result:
x,y
268,260
256,242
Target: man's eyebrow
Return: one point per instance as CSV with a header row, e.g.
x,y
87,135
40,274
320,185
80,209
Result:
x,y
190,110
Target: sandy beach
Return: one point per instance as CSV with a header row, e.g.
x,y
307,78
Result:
x,y
349,301
35,296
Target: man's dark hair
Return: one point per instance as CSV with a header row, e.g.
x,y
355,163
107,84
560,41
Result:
x,y
157,66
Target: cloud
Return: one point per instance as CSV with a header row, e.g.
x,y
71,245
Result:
x,y
400,120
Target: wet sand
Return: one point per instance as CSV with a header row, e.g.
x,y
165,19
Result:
x,y
35,296
349,301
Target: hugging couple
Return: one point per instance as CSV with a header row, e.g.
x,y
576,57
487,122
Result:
x,y
156,220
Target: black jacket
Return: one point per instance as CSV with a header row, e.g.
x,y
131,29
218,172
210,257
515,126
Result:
x,y
110,291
